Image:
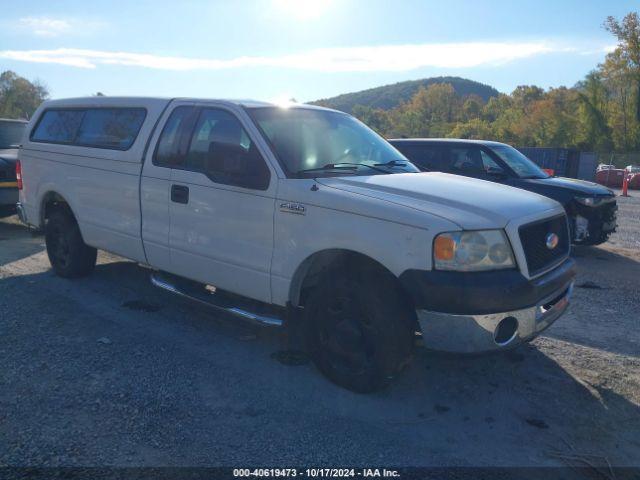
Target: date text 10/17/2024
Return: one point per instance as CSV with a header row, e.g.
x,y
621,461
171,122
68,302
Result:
x,y
317,472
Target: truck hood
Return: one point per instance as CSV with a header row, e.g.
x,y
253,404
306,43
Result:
x,y
580,187
468,202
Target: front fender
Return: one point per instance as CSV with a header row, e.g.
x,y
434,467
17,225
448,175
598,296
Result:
x,y
312,218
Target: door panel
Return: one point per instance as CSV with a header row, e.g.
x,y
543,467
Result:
x,y
222,233
155,186
155,220
222,236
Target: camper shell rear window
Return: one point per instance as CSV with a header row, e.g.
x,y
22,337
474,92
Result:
x,y
114,128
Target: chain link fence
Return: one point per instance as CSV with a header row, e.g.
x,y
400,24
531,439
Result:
x,y
620,160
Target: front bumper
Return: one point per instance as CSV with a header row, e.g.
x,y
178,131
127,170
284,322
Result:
x,y
497,331
485,311
589,224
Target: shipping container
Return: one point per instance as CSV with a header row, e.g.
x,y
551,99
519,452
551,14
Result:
x,y
555,159
587,166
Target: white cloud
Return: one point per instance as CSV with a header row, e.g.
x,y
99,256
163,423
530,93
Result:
x,y
49,27
342,59
44,26
599,51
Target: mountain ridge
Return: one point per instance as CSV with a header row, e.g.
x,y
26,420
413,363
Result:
x,y
390,96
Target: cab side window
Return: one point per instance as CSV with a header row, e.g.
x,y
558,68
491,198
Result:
x,y
470,160
222,150
171,142
489,163
425,157
466,161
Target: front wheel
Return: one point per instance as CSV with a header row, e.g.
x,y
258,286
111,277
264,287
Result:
x,y
70,257
361,333
603,237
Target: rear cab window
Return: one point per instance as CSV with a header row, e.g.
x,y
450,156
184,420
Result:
x,y
110,128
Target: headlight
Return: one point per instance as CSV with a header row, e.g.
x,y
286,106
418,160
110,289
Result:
x,y
591,201
472,251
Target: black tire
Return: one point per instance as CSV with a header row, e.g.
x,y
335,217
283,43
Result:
x,y
360,331
70,257
596,239
603,237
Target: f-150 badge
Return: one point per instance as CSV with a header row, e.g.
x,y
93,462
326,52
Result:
x,y
291,207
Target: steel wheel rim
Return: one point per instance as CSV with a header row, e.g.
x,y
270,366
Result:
x,y
60,247
344,337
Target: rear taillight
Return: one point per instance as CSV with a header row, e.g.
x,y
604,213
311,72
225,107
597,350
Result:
x,y
19,174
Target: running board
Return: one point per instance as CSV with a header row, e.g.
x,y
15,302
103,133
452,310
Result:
x,y
212,299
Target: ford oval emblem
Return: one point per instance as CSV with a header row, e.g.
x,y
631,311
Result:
x,y
552,241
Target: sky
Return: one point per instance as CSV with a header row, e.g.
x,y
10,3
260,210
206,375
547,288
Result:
x,y
276,50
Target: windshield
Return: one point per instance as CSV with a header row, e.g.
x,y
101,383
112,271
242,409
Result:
x,y
521,165
318,142
11,133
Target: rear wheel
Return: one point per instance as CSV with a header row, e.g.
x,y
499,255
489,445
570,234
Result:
x,y
361,333
70,257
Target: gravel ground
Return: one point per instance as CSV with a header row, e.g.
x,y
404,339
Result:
x,y
628,231
108,371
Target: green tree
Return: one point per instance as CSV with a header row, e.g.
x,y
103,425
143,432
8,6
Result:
x,y
524,96
19,97
621,108
375,118
475,128
627,31
472,107
593,98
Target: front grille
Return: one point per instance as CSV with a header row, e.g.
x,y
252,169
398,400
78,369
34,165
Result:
x,y
608,211
533,237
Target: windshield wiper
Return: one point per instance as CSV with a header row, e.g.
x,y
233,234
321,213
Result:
x,y
328,166
392,163
341,166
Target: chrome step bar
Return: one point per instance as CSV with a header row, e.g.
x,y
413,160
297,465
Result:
x,y
158,281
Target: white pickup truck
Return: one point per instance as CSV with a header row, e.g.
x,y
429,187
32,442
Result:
x,y
297,216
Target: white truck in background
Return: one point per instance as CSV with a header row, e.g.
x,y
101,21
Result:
x,y
297,215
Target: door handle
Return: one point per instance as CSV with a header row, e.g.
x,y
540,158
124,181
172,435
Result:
x,y
179,194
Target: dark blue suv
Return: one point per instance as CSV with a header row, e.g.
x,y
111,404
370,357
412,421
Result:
x,y
591,208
